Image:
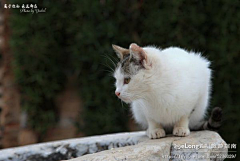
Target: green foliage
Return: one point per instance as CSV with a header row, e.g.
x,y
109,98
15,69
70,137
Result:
x,y
82,32
91,38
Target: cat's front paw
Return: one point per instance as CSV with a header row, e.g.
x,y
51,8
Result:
x,y
181,131
155,133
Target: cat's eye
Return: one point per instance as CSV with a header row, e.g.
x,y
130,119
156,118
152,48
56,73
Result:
x,y
127,80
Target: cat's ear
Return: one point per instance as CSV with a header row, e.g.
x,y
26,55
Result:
x,y
138,53
120,51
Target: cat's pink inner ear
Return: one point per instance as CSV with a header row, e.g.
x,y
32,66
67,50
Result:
x,y
134,47
140,53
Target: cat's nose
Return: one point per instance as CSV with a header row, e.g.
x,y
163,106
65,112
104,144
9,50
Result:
x,y
117,94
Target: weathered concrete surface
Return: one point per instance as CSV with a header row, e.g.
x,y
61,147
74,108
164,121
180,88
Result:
x,y
71,148
169,148
116,147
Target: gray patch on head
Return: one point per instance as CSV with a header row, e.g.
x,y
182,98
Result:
x,y
130,66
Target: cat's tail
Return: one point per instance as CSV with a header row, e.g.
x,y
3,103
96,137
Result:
x,y
215,120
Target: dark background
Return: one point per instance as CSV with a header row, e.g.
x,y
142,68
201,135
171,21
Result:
x,y
75,37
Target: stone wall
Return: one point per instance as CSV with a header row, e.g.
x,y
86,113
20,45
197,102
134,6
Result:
x,y
1,69
10,115
122,146
69,107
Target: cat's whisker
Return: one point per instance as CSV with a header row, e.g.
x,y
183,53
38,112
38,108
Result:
x,y
113,63
108,67
113,57
109,71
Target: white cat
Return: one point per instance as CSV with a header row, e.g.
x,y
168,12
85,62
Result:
x,y
168,89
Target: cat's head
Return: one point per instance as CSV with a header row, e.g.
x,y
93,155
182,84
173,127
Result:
x,y
130,73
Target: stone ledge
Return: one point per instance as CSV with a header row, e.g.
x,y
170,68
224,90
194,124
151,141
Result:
x,y
165,149
116,147
71,148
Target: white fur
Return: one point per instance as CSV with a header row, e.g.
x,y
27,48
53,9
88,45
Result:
x,y
165,95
